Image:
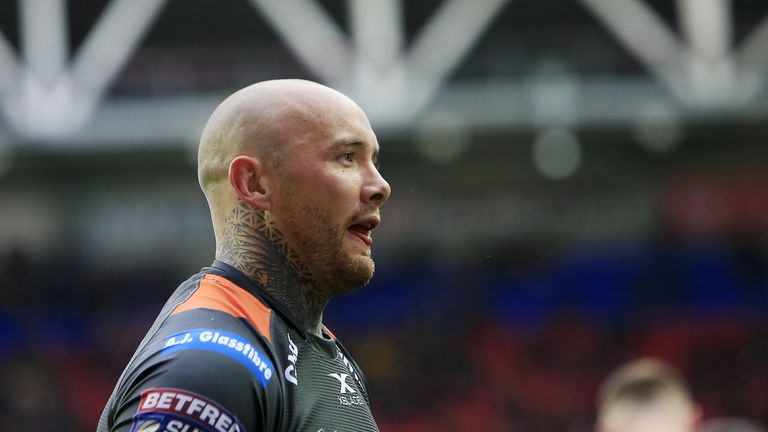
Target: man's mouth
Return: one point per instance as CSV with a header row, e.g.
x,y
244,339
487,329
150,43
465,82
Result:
x,y
362,228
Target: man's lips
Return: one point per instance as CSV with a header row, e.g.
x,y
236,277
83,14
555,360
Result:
x,y
362,234
362,227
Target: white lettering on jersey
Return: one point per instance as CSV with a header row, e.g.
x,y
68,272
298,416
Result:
x,y
290,372
348,364
184,406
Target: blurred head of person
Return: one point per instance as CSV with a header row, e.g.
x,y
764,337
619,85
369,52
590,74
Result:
x,y
646,395
730,424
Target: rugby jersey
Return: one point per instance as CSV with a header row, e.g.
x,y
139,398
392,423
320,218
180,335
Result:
x,y
224,356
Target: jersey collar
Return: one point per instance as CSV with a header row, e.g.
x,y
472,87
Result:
x,y
242,280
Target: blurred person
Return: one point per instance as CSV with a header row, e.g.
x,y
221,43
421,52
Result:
x,y
29,396
730,424
646,395
289,170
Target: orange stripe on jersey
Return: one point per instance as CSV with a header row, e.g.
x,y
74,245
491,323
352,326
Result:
x,y
220,294
333,336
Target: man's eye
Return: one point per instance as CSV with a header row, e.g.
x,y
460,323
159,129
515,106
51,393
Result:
x,y
347,157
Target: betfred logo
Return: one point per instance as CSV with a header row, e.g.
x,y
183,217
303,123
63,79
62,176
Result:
x,y
174,410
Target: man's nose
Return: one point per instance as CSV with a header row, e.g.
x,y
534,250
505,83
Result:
x,y
376,190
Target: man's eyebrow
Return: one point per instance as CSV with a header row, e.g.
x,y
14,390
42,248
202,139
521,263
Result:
x,y
352,142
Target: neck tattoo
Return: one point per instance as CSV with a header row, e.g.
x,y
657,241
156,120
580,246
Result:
x,y
251,243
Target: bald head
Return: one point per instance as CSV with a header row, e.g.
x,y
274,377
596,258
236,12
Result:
x,y
260,137
290,172
261,120
646,395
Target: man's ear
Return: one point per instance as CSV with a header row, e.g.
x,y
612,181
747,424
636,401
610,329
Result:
x,y
246,174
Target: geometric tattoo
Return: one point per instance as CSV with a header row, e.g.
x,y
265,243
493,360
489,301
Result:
x,y
251,243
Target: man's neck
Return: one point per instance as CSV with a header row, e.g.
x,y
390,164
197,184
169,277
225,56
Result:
x,y
251,243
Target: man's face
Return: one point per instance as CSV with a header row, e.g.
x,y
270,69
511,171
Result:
x,y
328,196
667,413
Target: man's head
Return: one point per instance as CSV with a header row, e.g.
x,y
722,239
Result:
x,y
646,395
303,157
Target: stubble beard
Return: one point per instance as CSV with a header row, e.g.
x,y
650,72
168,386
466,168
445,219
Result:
x,y
319,243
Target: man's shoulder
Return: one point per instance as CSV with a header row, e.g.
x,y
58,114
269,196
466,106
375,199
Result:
x,y
205,351
209,323
212,295
203,380
212,343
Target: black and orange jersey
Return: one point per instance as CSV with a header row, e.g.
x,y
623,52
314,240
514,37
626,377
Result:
x,y
225,357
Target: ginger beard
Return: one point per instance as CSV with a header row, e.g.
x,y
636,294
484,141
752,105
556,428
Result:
x,y
319,240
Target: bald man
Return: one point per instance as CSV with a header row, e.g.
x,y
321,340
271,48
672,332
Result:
x,y
646,395
289,170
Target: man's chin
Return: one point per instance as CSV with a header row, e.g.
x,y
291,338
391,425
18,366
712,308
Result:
x,y
356,273
355,246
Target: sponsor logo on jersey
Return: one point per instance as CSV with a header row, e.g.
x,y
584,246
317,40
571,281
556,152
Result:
x,y
174,410
342,378
290,372
351,368
230,344
347,395
349,400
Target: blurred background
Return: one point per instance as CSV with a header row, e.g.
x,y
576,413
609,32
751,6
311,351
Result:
x,y
576,183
